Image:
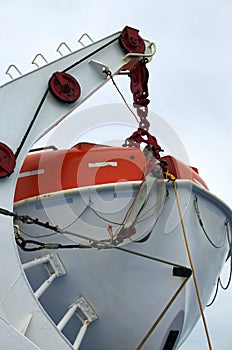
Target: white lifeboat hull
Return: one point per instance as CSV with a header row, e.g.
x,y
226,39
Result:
x,y
129,290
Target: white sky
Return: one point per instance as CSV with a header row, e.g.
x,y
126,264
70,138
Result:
x,y
190,81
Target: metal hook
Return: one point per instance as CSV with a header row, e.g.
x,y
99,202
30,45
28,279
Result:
x,y
9,68
83,35
17,230
59,47
38,54
139,56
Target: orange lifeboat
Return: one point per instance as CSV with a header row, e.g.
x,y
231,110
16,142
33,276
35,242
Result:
x,y
88,164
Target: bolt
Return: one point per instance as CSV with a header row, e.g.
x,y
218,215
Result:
x,y
66,87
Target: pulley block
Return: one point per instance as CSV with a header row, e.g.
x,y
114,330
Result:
x,y
64,87
131,41
7,160
139,84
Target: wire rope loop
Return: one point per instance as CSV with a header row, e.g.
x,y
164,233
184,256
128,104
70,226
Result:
x,y
229,280
219,283
197,210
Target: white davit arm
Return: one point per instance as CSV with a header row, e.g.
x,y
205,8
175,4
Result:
x,y
29,106
28,103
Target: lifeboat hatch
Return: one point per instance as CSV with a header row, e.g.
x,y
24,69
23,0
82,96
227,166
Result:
x,y
173,332
171,339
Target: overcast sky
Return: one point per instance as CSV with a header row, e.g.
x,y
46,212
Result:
x,y
190,82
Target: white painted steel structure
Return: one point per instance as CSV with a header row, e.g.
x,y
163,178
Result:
x,y
127,292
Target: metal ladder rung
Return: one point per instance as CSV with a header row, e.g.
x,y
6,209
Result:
x,y
85,313
36,262
54,267
85,35
80,335
44,286
59,48
67,317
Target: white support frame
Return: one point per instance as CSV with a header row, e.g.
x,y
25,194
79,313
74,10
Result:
x,y
19,100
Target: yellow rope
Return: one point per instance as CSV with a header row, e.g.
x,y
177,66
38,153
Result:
x,y
190,260
143,341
